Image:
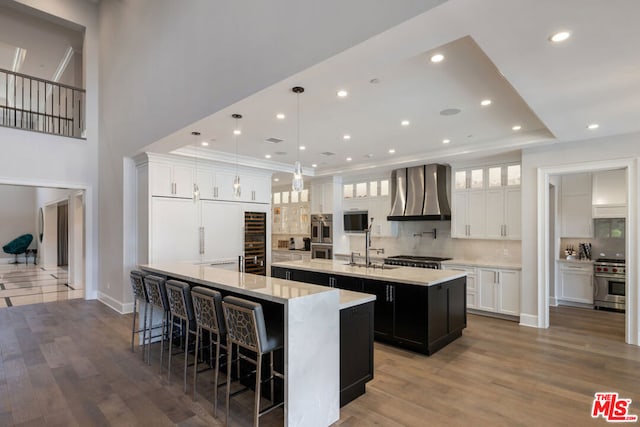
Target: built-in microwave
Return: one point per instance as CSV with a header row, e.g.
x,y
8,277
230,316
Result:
x,y
356,221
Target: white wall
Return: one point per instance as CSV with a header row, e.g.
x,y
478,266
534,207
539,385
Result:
x,y
41,160
576,153
17,216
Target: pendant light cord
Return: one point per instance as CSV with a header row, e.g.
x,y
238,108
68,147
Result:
x,y
298,127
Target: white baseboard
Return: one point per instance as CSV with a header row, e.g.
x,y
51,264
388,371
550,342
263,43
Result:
x,y
528,320
114,304
553,302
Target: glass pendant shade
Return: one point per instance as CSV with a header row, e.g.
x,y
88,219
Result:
x,y
237,189
297,184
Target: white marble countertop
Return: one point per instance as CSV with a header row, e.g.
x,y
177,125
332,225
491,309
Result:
x,y
351,299
484,263
263,287
292,251
408,275
575,261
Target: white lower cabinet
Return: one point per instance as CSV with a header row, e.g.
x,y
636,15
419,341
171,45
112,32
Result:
x,y
499,291
471,282
576,283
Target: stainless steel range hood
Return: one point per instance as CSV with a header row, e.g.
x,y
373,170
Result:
x,y
419,193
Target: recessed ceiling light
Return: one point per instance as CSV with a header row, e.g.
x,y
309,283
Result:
x,y
560,36
342,93
346,137
446,141
280,116
302,147
237,131
276,179
405,123
267,156
593,126
516,127
204,143
438,57
485,102
314,165
391,151
349,159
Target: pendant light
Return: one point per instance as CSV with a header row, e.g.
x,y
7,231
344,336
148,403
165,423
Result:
x,y
196,190
237,189
297,183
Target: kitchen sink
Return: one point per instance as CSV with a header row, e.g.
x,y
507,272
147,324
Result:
x,y
372,266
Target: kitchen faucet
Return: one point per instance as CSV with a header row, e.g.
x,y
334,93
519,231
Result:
x,y
367,244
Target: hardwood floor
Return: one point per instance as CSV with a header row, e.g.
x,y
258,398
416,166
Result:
x,y
69,363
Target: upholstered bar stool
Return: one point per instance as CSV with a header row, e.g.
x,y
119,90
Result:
x,y
157,294
246,328
207,306
139,294
181,307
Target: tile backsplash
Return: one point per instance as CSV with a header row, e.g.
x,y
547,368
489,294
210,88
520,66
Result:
x,y
611,248
412,241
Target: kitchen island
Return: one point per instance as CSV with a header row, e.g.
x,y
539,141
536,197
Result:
x,y
416,308
316,320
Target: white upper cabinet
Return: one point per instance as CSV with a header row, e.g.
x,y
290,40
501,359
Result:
x,y
205,181
609,198
575,206
486,203
171,180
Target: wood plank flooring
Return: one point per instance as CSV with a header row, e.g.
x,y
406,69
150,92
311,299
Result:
x,y
69,363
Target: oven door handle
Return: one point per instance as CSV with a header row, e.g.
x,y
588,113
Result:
x,y
596,288
610,276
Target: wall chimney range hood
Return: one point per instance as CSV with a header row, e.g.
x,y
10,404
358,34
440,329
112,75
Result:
x,y
419,193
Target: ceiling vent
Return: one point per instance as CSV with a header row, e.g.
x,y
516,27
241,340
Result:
x,y
328,153
273,140
280,153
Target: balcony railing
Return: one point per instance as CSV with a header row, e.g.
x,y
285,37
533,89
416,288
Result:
x,y
40,105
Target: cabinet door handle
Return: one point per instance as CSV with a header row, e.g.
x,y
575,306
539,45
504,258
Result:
x,y
215,192
201,240
386,293
391,288
495,277
253,195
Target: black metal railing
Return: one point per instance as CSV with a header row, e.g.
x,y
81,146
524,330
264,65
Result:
x,y
40,105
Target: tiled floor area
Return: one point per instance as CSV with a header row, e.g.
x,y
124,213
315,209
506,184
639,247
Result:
x,y
22,284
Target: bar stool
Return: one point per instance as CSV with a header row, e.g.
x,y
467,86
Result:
x,y
139,294
207,306
181,307
246,328
157,294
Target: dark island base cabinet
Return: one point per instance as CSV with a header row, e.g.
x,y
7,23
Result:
x,y
419,318
356,351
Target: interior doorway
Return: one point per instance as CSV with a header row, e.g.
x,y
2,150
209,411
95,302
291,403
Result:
x,y
63,234
54,266
550,227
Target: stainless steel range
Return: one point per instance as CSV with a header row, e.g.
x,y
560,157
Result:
x,y
416,261
609,283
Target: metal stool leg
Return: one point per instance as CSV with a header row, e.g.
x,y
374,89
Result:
x,y
186,355
164,331
256,414
195,362
229,363
150,335
144,329
216,374
170,346
133,326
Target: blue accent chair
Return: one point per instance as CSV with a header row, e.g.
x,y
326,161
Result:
x,y
18,246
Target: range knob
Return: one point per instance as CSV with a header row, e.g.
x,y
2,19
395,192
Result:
x,y
605,269
614,270
598,269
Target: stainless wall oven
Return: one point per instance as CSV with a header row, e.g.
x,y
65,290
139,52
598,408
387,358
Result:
x,y
609,284
322,228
